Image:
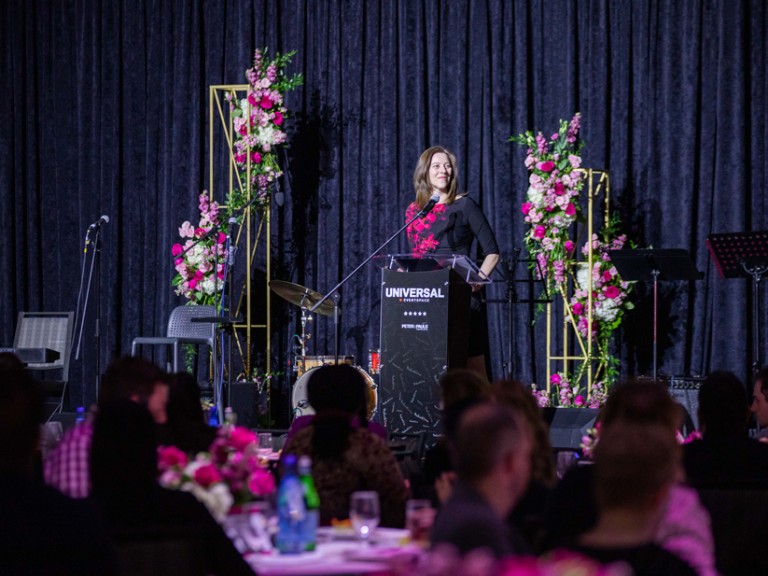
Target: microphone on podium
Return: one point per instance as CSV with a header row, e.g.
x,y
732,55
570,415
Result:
x,y
429,205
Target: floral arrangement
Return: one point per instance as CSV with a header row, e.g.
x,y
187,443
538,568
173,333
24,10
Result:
x,y
229,474
565,395
258,121
200,270
608,295
420,238
551,204
258,125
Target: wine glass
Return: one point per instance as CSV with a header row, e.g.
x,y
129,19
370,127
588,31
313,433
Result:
x,y
266,444
364,513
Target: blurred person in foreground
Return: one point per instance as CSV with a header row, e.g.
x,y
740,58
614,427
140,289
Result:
x,y
493,465
686,526
141,515
636,466
42,532
346,459
725,456
459,389
528,514
185,426
759,405
132,378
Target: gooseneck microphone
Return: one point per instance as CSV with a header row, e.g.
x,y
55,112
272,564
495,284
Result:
x,y
102,220
434,199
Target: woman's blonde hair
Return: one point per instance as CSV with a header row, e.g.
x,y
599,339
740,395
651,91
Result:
x,y
421,176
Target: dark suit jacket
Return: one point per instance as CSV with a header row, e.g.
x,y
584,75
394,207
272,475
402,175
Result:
x,y
726,461
468,522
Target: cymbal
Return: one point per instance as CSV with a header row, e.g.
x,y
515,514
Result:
x,y
301,296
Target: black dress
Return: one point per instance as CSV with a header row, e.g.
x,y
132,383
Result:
x,y
451,229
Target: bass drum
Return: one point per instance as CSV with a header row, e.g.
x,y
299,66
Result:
x,y
301,406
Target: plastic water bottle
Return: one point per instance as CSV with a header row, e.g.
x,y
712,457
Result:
x,y
291,512
213,417
311,504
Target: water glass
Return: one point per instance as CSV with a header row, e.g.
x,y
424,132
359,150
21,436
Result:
x,y
265,444
419,516
364,513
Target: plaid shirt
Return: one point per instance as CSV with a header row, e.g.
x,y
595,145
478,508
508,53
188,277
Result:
x,y
66,466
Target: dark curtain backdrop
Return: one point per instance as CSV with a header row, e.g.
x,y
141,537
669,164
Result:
x,y
104,111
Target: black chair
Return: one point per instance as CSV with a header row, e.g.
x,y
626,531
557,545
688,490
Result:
x,y
182,330
53,331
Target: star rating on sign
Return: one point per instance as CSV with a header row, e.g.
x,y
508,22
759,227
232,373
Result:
x,y
414,313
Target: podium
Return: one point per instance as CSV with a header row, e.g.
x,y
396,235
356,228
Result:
x,y
424,332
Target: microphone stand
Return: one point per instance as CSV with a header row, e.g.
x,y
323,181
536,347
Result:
x,y
94,269
334,291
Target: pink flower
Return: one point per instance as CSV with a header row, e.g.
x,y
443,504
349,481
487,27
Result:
x,y
577,309
569,246
570,209
241,437
611,292
559,188
555,379
192,284
256,158
221,238
607,276
266,102
555,136
526,207
176,249
579,400
171,457
207,475
539,232
261,483
547,166
278,118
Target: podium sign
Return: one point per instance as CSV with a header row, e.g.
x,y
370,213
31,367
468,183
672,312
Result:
x,y
424,332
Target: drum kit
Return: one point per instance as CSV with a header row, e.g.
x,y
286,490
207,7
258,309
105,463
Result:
x,y
305,364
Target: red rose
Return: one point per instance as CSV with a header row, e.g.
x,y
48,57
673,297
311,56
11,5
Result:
x,y
547,166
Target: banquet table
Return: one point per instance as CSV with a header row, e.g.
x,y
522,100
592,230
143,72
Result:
x,y
341,555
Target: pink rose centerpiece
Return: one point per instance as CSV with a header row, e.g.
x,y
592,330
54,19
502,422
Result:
x,y
229,474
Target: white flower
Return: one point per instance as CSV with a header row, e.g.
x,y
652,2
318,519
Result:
x,y
607,311
535,196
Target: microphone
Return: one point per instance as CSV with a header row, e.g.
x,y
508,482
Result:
x,y
102,220
429,205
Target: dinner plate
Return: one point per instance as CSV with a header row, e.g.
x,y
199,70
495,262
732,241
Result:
x,y
348,533
286,559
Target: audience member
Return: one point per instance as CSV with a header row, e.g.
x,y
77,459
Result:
x,y
136,379
686,528
493,465
528,514
42,532
759,404
635,467
726,456
459,389
125,488
186,427
344,458
322,397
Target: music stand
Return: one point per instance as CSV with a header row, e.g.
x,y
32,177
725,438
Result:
x,y
743,255
654,265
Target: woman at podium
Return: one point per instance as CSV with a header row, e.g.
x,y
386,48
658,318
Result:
x,y
451,225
